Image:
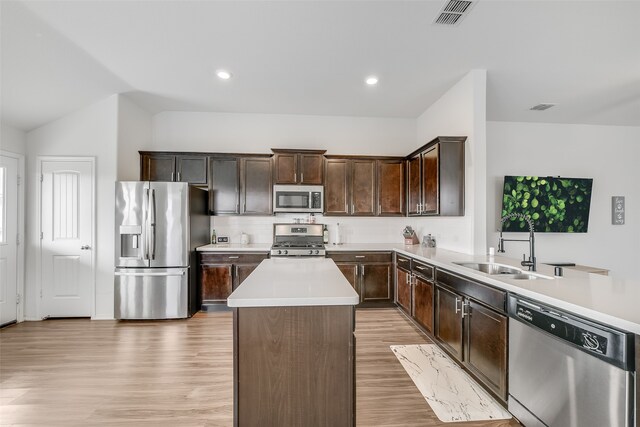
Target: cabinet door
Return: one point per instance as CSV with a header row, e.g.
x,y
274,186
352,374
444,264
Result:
x,y
336,189
413,195
310,169
216,282
391,188
376,282
423,303
157,167
256,186
285,165
486,349
191,169
350,272
449,321
242,271
430,184
224,186
363,187
403,289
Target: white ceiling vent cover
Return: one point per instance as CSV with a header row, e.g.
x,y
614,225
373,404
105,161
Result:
x,y
453,12
542,107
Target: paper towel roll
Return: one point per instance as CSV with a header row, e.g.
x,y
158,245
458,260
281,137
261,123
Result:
x,y
337,238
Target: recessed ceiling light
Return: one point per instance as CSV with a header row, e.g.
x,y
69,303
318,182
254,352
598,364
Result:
x,y
372,80
223,74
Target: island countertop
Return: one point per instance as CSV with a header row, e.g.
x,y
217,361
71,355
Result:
x,y
279,282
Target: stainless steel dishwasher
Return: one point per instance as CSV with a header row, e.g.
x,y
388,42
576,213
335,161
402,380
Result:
x,y
566,371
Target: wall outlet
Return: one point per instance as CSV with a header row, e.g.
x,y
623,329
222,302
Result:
x,y
223,239
617,210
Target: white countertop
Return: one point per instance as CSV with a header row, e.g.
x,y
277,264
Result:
x,y
235,247
279,282
602,298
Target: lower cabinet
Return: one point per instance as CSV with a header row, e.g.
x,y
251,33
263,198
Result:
x,y
423,293
221,273
471,324
370,274
403,289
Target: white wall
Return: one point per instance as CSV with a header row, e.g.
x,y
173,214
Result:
x,y
461,111
91,131
134,131
608,154
258,133
12,139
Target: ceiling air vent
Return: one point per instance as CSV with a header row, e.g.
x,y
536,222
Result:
x,y
541,107
453,12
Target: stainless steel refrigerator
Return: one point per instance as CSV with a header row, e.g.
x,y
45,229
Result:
x,y
158,227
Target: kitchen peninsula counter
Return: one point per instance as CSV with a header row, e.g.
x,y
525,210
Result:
x,y
293,345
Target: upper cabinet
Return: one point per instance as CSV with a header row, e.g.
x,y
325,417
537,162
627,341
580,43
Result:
x,y
240,185
436,178
191,168
363,186
298,166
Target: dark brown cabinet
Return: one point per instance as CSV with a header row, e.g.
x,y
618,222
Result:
x,y
191,168
423,292
403,289
391,187
364,186
369,273
298,167
350,187
471,324
221,273
436,178
240,185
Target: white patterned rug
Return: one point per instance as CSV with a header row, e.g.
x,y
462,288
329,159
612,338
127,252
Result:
x,y
452,393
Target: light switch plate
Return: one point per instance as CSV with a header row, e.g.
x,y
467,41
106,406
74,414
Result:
x,y
617,210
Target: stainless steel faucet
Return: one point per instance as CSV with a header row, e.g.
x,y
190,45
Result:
x,y
531,262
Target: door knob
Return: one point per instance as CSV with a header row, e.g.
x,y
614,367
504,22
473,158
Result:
x,y
85,248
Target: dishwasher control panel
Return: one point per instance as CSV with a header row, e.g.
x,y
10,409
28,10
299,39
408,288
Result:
x,y
593,338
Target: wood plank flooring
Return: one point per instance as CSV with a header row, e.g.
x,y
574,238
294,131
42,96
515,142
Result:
x,y
167,373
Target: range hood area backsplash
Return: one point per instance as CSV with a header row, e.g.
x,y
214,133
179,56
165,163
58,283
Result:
x,y
352,229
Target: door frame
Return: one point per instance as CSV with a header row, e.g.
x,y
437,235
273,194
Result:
x,y
39,161
21,242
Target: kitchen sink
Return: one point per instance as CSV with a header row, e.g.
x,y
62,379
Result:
x,y
527,276
490,268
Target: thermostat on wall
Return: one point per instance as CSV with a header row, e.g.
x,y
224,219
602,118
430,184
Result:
x,y
223,239
617,210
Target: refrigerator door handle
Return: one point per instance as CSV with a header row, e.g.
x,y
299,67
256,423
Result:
x,y
145,242
152,228
122,273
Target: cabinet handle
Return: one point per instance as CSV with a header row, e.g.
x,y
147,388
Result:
x,y
301,177
179,175
233,257
359,256
353,208
362,267
379,209
295,177
171,176
466,312
406,279
420,268
458,310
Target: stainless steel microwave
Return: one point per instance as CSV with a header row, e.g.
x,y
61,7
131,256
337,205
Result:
x,y
298,198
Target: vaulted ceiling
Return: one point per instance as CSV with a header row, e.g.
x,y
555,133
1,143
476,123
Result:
x,y
311,57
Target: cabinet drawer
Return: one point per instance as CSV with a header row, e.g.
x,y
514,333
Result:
x,y
491,296
403,262
360,257
231,258
421,269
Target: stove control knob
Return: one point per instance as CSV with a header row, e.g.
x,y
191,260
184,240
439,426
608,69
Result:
x,y
317,252
285,252
310,251
279,252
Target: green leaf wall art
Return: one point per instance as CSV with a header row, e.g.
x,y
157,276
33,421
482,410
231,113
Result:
x,y
555,204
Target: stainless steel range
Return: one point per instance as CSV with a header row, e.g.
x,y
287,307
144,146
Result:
x,y
297,240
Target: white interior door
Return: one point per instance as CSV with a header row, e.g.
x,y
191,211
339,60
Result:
x,y
8,239
66,239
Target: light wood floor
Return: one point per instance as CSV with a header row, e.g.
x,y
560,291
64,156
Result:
x,y
106,373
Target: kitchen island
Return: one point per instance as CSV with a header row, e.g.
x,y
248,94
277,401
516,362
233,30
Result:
x,y
294,348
